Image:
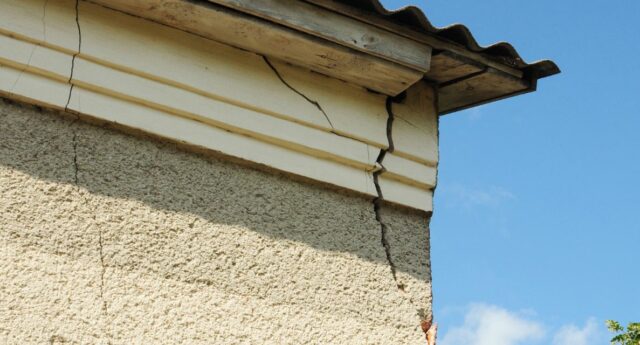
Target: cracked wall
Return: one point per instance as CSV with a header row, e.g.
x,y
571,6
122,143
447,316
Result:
x,y
75,55
124,201
393,226
109,238
314,102
94,61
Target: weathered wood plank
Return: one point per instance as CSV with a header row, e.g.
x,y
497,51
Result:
x,y
340,29
250,33
483,87
434,42
447,67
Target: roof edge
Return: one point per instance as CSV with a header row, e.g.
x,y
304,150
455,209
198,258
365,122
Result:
x,y
414,19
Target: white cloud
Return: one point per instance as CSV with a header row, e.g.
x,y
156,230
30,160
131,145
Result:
x,y
490,196
492,325
573,335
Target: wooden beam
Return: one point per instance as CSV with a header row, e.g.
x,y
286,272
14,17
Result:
x,y
447,67
343,30
478,89
435,42
247,32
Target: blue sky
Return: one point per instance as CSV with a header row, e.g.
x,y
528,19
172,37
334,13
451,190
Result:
x,y
536,232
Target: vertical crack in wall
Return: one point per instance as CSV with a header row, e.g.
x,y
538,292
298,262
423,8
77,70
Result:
x,y
76,169
426,319
74,142
377,202
74,139
75,158
104,268
73,59
429,326
436,100
315,103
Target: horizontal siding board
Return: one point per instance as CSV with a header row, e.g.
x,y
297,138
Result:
x,y
34,57
340,149
194,133
397,192
273,40
216,70
24,85
47,21
223,115
360,115
409,172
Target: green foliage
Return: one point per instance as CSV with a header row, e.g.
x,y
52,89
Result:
x,y
629,337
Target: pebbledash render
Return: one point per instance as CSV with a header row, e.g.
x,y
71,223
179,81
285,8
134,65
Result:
x,y
227,171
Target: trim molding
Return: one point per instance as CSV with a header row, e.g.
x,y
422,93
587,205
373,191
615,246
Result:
x,y
189,89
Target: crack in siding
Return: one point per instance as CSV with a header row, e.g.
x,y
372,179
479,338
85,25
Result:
x,y
26,67
315,103
33,50
74,139
408,122
431,332
44,24
75,158
73,59
377,202
427,325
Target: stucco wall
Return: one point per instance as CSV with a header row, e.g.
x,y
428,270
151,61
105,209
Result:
x,y
110,238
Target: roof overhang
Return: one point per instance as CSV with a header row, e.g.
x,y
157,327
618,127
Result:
x,y
356,41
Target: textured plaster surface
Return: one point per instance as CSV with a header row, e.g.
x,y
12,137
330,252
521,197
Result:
x,y
409,250
107,238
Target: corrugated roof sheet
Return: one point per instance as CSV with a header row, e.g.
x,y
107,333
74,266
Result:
x,y
414,18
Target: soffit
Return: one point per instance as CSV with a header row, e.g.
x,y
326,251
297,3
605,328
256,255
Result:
x,y
469,74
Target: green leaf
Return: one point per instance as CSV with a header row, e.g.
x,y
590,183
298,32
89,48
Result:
x,y
614,326
629,337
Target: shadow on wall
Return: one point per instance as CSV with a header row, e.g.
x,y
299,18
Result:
x,y
47,146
